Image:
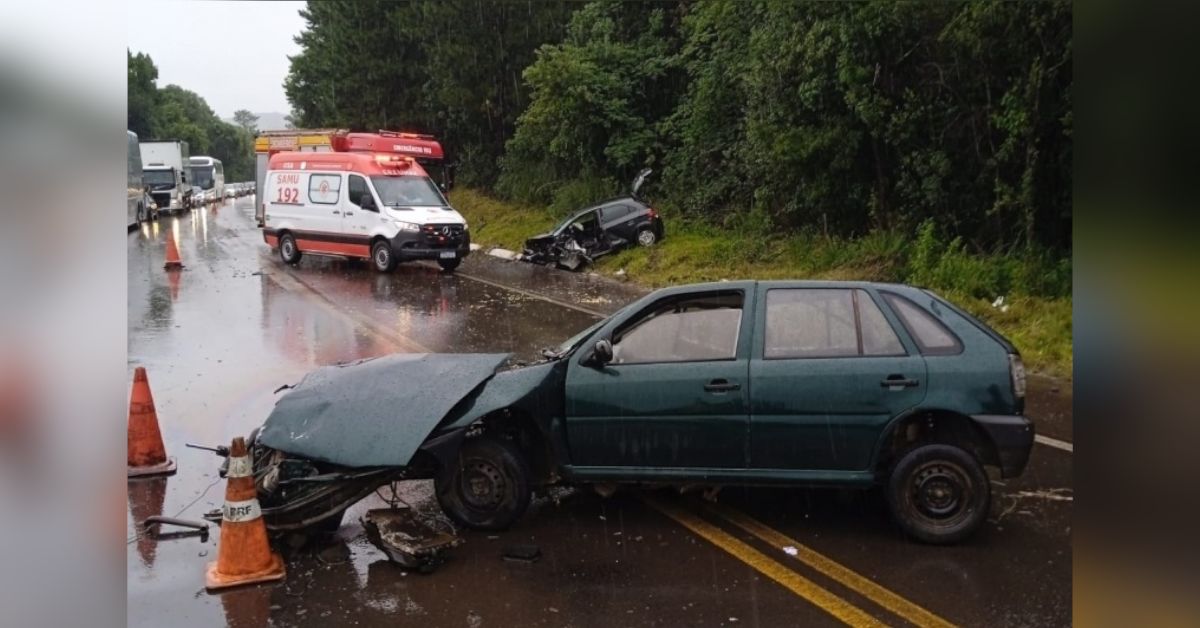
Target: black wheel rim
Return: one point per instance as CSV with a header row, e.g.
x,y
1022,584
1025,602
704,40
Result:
x,y
940,492
483,485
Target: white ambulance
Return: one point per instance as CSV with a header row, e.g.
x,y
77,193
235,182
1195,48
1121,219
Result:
x,y
368,198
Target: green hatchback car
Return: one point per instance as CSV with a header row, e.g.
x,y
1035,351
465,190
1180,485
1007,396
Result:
x,y
797,383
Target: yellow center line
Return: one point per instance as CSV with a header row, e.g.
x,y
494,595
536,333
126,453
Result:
x,y
837,572
794,582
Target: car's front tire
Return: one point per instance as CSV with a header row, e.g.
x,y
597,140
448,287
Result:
x,y
449,265
381,256
288,251
489,487
938,493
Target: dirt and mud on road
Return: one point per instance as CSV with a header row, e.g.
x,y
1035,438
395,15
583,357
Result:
x,y
235,324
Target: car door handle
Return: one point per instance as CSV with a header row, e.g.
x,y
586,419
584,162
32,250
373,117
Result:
x,y
348,214
337,212
721,385
899,380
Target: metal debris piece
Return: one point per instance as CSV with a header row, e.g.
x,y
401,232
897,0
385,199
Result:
x,y
196,528
406,539
524,553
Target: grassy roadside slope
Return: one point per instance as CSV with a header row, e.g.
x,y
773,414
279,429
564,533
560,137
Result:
x,y
1036,318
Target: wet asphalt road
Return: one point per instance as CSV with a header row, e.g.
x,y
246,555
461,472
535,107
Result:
x,y
220,336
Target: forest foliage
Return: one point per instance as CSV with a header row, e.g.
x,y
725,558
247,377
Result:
x,y
838,119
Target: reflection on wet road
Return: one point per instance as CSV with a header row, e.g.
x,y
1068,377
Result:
x,y
220,336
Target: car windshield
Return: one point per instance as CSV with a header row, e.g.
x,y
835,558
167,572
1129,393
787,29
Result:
x,y
571,343
202,176
159,178
408,191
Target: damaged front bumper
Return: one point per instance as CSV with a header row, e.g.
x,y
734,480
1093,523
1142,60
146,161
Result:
x,y
563,251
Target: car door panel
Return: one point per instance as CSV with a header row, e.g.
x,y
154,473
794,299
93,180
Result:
x,y
825,412
687,413
658,415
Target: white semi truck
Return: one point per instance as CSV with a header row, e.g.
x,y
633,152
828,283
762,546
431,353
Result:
x,y
166,172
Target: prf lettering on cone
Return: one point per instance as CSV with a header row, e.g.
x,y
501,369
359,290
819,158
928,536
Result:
x,y
146,453
243,554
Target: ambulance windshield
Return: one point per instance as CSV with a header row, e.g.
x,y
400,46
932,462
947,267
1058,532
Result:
x,y
408,191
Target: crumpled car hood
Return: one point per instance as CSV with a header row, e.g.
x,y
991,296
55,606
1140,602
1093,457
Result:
x,y
374,412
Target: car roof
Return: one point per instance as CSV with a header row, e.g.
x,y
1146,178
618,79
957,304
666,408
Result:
x,y
605,203
786,283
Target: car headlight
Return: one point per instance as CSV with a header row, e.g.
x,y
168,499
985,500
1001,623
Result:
x,y
408,226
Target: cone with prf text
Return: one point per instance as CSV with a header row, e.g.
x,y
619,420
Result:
x,y
243,554
146,455
173,259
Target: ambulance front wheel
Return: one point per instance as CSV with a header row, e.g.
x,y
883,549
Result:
x,y
381,256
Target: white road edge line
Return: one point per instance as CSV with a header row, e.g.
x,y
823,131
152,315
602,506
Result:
x,y
534,295
1054,442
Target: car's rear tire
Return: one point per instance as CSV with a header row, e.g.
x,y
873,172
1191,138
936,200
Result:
x,y
489,488
381,256
938,493
647,237
288,251
449,265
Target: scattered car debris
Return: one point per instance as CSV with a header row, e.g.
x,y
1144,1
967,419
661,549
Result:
x,y
524,553
790,550
407,539
153,526
598,230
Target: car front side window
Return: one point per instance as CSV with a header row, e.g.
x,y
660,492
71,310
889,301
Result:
x,y
687,329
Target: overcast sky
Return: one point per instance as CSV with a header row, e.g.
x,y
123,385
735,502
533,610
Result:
x,y
233,54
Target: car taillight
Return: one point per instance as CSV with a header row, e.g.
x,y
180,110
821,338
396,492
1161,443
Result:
x,y
652,213
1016,370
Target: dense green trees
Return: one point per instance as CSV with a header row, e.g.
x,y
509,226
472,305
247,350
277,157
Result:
x,y
176,113
838,118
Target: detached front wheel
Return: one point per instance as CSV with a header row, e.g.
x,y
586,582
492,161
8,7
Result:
x,y
939,494
489,488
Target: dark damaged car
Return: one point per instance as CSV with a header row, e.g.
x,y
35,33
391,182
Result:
x,y
836,384
598,230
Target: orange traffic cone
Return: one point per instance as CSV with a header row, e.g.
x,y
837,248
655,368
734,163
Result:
x,y
173,259
243,554
147,456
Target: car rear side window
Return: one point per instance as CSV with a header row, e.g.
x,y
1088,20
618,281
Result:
x,y
826,323
878,337
931,335
616,212
687,329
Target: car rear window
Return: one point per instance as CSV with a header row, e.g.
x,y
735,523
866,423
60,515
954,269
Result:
x,y
932,337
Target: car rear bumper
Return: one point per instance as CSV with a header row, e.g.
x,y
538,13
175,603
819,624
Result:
x,y
1013,438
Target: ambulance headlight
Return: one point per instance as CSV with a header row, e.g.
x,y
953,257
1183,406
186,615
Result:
x,y
408,226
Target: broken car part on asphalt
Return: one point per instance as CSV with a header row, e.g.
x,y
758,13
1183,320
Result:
x,y
407,539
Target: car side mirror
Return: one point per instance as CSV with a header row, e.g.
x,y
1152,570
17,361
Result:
x,y
602,353
368,203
